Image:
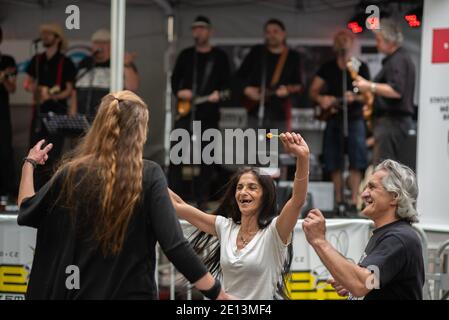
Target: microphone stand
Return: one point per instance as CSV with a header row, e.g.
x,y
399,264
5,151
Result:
x,y
345,132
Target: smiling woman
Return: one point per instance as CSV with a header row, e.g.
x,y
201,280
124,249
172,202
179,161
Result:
x,y
252,250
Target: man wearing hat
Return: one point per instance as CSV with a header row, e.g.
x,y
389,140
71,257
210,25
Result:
x,y
200,71
94,74
49,76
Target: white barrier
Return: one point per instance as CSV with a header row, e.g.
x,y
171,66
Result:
x,y
348,236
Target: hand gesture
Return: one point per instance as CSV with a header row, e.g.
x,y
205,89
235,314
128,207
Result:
x,y
38,154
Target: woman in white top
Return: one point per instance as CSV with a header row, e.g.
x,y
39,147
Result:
x,y
254,249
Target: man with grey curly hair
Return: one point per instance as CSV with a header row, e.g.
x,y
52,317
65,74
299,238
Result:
x,y
392,267
393,88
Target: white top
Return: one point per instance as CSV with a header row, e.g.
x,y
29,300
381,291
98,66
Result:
x,y
253,271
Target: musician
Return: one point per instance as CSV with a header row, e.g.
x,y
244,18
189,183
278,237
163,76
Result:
x,y
94,75
327,90
200,71
7,86
271,71
394,89
49,76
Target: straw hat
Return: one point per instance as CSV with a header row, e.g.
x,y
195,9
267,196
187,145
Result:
x,y
56,29
101,35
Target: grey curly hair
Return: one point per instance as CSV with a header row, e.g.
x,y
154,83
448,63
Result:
x,y
390,30
401,181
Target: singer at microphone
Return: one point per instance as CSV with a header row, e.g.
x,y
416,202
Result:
x,y
93,75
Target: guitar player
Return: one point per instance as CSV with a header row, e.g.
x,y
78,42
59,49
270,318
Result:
x,y
326,90
200,70
270,74
49,76
8,70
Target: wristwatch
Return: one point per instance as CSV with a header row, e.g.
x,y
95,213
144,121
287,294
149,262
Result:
x,y
373,87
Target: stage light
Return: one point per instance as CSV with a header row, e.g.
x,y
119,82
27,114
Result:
x,y
355,27
412,20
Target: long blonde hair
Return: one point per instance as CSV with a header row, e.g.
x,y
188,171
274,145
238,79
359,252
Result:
x,y
106,169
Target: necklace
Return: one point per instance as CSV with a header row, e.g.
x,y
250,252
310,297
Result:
x,y
246,241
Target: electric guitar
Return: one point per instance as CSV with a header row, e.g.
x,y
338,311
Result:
x,y
43,92
250,104
184,106
353,66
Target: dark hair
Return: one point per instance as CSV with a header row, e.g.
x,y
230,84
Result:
x,y
277,22
228,208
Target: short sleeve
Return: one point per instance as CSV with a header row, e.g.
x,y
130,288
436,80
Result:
x,y
31,68
221,225
33,209
275,237
69,70
396,75
389,257
322,72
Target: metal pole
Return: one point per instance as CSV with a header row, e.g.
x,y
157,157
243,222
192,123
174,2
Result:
x,y
118,12
168,92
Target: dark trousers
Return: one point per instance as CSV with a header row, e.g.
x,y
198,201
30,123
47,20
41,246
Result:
x,y
200,187
390,134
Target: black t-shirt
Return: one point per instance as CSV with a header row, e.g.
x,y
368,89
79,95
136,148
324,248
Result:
x,y
128,275
48,76
399,72
5,62
251,71
395,249
332,75
218,79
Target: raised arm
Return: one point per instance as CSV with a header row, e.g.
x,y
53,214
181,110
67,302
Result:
x,y
296,145
36,156
203,221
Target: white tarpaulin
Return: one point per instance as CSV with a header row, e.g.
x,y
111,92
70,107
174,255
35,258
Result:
x,y
433,120
16,256
308,280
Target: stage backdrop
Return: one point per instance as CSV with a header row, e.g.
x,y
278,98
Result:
x,y
433,125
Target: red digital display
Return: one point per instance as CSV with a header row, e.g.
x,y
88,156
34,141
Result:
x,y
354,27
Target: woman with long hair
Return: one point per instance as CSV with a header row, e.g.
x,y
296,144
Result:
x,y
246,240
98,219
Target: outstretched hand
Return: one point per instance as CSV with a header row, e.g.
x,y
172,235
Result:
x,y
38,154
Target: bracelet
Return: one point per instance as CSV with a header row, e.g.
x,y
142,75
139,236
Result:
x,y
33,162
303,178
373,87
213,292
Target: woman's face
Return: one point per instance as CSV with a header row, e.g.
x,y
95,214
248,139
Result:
x,y
248,194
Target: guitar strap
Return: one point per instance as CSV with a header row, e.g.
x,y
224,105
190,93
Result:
x,y
59,71
279,68
207,73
